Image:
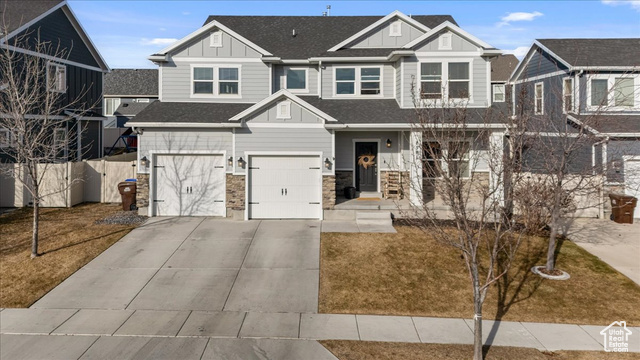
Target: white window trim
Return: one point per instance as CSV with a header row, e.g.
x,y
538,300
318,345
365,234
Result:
x,y
504,92
60,88
445,80
119,100
215,39
535,98
395,28
306,80
611,79
7,136
358,80
216,82
142,100
441,42
444,152
564,102
280,114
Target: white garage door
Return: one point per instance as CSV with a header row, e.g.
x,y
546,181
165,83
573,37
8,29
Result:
x,y
189,185
285,187
632,180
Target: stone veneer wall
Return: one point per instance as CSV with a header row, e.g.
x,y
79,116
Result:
x,y
343,179
142,191
235,192
405,182
328,192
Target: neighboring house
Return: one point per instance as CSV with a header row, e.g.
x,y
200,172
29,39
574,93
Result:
x,y
272,117
127,92
502,67
80,73
594,82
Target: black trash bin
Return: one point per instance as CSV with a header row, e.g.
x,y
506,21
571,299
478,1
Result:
x,y
127,191
622,207
350,192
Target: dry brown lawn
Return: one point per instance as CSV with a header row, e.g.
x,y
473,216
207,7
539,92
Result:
x,y
69,239
365,350
409,273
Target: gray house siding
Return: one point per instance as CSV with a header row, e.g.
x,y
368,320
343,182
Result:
x,y
616,149
283,139
91,139
298,116
540,63
398,80
84,86
176,82
231,48
279,79
388,81
457,44
379,37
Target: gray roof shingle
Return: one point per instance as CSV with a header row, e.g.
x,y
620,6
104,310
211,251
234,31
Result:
x,y
17,13
130,108
131,82
502,66
596,52
314,34
189,112
611,123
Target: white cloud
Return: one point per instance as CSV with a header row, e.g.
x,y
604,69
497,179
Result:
x,y
158,41
519,52
635,4
186,13
520,16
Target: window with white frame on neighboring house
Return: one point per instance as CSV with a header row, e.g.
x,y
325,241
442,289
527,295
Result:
x,y
215,39
296,79
623,92
60,141
567,95
110,106
395,28
459,80
5,138
57,77
599,92
539,99
283,110
498,93
358,81
431,81
216,81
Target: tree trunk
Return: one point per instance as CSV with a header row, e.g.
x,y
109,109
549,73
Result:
x,y
36,224
477,315
551,251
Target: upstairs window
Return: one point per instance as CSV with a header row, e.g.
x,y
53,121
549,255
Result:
x,y
216,81
296,79
431,81
458,80
215,39
369,81
345,81
203,80
358,81
498,92
599,92
623,92
539,96
395,29
110,106
229,81
57,77
567,95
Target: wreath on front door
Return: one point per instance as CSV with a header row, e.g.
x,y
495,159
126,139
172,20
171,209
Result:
x,y
366,160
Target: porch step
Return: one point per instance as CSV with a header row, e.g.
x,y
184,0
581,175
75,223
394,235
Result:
x,y
377,218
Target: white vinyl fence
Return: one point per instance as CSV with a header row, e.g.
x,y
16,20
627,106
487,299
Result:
x,y
68,184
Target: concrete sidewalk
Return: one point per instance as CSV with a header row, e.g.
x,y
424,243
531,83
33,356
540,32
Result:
x,y
301,326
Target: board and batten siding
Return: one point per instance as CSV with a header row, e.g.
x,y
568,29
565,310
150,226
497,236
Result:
x,y
379,37
457,44
176,82
201,47
328,88
283,139
279,79
298,116
184,141
540,63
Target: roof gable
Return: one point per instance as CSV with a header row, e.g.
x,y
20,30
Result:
x,y
451,27
18,15
276,97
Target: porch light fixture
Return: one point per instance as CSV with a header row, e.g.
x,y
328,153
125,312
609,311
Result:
x,y
144,162
230,161
388,143
240,162
327,163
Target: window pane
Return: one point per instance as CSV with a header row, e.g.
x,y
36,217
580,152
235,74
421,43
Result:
x,y
623,92
345,88
498,93
598,92
228,74
459,169
459,90
296,79
370,74
228,87
203,88
458,71
431,71
431,90
202,74
458,149
538,91
370,88
345,74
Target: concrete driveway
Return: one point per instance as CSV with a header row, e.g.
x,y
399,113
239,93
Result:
x,y
189,264
616,244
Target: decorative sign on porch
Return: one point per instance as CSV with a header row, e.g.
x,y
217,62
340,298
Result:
x,y
366,160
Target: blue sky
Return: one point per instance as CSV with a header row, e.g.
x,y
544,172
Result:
x,y
126,32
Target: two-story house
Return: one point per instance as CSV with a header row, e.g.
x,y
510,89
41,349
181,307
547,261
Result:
x,y
127,92
273,116
78,70
591,83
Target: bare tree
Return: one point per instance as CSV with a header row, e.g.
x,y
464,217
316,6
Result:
x,y
37,113
469,174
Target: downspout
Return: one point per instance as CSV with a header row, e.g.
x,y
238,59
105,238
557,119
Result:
x,y
604,168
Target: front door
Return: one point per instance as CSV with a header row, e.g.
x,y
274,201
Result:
x,y
367,166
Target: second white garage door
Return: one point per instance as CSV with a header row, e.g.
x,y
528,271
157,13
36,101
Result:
x,y
189,185
285,187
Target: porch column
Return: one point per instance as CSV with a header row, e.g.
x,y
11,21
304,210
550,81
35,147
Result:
x,y
496,152
415,168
